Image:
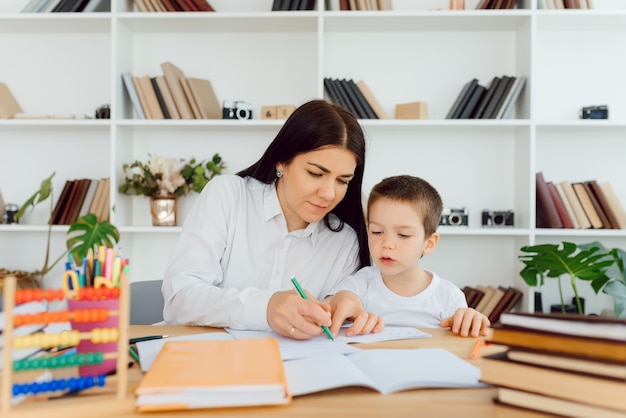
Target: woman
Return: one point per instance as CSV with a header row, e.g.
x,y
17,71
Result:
x,y
295,212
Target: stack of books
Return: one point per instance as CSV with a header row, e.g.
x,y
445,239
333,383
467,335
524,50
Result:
x,y
579,205
492,301
80,197
172,95
494,101
356,97
569,365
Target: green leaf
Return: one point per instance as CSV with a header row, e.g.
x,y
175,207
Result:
x,y
45,189
87,233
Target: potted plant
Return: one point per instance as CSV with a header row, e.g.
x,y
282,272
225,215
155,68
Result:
x,y
164,179
592,262
84,234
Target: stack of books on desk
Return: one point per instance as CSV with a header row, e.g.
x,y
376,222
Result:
x,y
569,365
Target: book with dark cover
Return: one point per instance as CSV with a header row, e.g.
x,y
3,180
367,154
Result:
x,y
498,97
157,91
203,5
62,6
76,201
484,101
77,6
473,101
332,91
502,304
61,202
363,103
597,198
558,204
351,100
511,99
514,301
462,98
547,215
371,100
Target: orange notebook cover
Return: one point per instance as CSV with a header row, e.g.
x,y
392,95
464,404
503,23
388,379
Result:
x,y
214,373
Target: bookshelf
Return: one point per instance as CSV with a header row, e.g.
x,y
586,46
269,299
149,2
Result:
x,y
72,63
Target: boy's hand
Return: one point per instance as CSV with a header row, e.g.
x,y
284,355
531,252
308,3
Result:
x,y
345,305
467,321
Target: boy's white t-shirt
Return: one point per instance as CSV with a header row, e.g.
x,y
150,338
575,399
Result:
x,y
425,310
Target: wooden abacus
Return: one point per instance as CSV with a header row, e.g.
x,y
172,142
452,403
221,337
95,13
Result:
x,y
11,297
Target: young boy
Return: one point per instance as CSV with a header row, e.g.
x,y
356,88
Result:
x,y
403,213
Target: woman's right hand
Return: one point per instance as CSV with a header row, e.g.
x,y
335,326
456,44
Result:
x,y
292,316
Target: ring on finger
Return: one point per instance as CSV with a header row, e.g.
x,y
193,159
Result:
x,y
293,329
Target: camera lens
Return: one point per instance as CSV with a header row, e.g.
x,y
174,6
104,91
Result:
x,y
498,219
454,220
243,113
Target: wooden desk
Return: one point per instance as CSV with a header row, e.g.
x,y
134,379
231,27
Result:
x,y
353,402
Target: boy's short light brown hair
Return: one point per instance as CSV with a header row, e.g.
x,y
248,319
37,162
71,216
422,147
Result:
x,y
415,191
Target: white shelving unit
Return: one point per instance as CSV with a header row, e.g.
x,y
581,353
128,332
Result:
x,y
71,63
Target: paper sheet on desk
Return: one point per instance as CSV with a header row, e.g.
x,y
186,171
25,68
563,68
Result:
x,y
148,350
291,349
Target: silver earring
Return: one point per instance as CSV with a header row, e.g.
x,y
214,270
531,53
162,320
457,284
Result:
x,y
279,174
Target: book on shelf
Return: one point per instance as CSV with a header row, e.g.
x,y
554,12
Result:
x,y
566,204
547,214
160,98
559,4
552,405
91,192
509,102
372,100
76,201
8,105
506,303
614,204
362,104
173,75
496,295
588,207
474,100
499,96
597,198
142,97
55,217
606,224
383,370
355,103
574,202
97,6
154,109
214,373
195,110
462,99
484,101
167,97
596,391
142,5
559,205
487,294
204,97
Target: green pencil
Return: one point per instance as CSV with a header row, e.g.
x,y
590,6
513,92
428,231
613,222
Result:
x,y
304,296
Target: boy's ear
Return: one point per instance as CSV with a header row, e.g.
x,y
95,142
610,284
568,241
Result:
x,y
431,243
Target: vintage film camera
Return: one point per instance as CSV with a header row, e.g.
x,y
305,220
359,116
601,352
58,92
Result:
x,y
236,110
594,112
498,218
454,216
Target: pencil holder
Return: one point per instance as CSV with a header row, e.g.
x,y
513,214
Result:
x,y
87,345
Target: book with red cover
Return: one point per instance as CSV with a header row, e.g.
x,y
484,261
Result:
x,y
547,214
559,205
606,224
61,203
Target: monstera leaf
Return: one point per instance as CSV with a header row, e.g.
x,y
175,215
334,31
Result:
x,y
587,262
88,233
